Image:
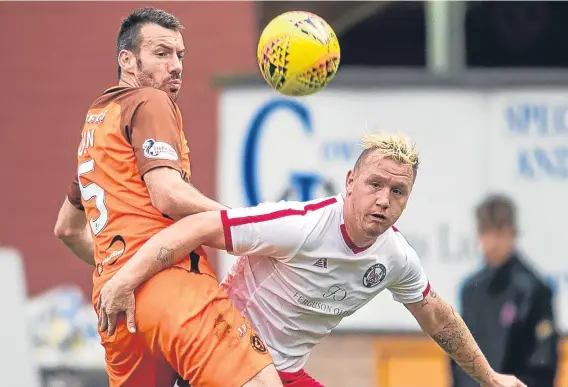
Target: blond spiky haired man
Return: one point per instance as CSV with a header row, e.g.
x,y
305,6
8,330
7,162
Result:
x,y
304,266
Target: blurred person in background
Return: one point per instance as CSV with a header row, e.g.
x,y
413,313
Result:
x,y
507,306
133,180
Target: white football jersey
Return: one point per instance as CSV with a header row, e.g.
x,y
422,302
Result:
x,y
300,274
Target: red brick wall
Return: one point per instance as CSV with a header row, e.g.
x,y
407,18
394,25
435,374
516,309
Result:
x,y
55,59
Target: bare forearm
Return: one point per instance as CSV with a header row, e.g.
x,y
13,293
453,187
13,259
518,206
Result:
x,y
82,246
452,335
455,338
174,196
165,249
188,200
72,229
154,259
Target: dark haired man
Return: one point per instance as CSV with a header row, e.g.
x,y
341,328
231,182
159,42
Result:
x,y
133,180
507,305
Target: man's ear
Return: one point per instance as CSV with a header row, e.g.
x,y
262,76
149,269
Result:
x,y
127,61
349,182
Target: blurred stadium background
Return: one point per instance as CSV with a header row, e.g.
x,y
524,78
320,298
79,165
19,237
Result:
x,y
482,87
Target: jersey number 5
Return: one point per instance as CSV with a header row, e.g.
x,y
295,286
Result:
x,y
90,191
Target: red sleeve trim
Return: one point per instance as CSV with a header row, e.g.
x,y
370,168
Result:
x,y
427,290
227,231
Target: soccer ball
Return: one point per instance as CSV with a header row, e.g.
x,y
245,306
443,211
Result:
x,y
298,53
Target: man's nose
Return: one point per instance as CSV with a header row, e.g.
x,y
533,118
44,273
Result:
x,y
383,199
175,65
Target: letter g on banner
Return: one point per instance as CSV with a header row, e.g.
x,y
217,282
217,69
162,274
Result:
x,y
252,141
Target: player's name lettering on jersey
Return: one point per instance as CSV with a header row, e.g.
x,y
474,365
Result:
x,y
87,141
95,118
320,306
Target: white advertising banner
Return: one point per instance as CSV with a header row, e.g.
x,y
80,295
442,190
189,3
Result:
x,y
471,142
17,364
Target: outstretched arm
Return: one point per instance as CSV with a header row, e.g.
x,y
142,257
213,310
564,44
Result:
x,y
170,246
163,250
439,320
268,230
274,230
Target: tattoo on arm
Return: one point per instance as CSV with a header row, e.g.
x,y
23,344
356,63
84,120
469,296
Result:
x,y
457,341
165,257
432,294
451,338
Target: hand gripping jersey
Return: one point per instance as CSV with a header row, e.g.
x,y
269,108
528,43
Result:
x,y
127,132
302,274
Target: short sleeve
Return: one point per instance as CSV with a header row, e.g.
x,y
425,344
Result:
x,y
413,285
277,230
74,194
156,133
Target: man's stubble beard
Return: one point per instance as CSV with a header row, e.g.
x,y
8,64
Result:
x,y
145,78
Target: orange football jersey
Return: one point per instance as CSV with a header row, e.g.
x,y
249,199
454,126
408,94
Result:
x,y
127,132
